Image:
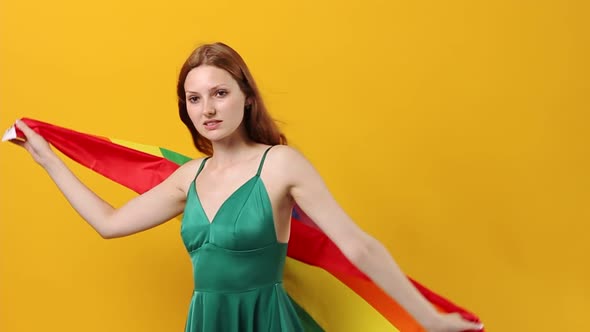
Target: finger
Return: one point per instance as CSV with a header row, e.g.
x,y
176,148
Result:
x,y
471,326
25,128
468,325
18,142
28,147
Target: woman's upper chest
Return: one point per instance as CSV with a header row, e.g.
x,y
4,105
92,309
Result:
x,y
214,186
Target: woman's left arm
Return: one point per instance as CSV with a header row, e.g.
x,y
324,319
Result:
x,y
311,194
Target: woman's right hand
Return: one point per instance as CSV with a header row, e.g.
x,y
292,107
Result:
x,y
35,144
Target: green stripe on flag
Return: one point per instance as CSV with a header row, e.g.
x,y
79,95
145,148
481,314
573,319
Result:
x,y
174,157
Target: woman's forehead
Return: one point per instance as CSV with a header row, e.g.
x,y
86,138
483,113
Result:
x,y
206,77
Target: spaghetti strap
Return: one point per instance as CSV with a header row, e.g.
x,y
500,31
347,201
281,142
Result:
x,y
201,168
262,161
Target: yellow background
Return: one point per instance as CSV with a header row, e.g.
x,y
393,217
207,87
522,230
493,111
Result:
x,y
453,131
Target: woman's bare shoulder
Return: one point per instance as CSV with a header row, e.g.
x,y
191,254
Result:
x,y
284,158
285,153
192,163
186,173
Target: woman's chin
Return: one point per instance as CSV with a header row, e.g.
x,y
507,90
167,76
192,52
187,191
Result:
x,y
211,135
214,136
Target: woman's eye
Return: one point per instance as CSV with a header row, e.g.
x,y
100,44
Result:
x,y
221,93
193,99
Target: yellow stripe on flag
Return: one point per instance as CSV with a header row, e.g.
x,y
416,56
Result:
x,y
149,149
311,286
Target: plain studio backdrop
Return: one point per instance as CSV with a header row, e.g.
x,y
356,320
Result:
x,y
455,132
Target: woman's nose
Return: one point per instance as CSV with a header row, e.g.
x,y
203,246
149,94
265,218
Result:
x,y
209,108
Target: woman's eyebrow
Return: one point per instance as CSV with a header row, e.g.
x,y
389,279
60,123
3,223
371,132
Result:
x,y
210,89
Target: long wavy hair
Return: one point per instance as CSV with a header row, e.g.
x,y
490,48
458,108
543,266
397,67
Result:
x,y
260,127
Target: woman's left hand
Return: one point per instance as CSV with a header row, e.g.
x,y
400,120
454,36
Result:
x,y
453,323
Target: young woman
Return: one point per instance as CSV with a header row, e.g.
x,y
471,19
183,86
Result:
x,y
237,206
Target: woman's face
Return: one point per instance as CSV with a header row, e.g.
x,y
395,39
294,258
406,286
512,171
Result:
x,y
214,102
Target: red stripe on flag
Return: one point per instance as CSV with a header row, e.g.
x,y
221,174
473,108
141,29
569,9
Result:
x,y
311,246
133,169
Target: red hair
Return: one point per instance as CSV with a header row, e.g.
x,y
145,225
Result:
x,y
260,127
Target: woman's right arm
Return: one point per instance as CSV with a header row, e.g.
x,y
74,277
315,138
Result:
x,y
154,207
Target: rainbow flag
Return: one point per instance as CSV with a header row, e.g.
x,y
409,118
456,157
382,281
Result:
x,y
329,292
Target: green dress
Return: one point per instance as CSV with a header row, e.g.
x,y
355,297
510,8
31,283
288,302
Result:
x,y
237,263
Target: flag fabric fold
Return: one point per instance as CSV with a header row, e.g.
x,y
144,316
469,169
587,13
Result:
x,y
329,292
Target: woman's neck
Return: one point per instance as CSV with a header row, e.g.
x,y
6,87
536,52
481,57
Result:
x,y
233,150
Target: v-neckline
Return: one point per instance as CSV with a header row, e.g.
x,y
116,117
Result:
x,y
209,220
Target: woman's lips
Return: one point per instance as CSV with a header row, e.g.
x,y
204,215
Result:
x,y
212,124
